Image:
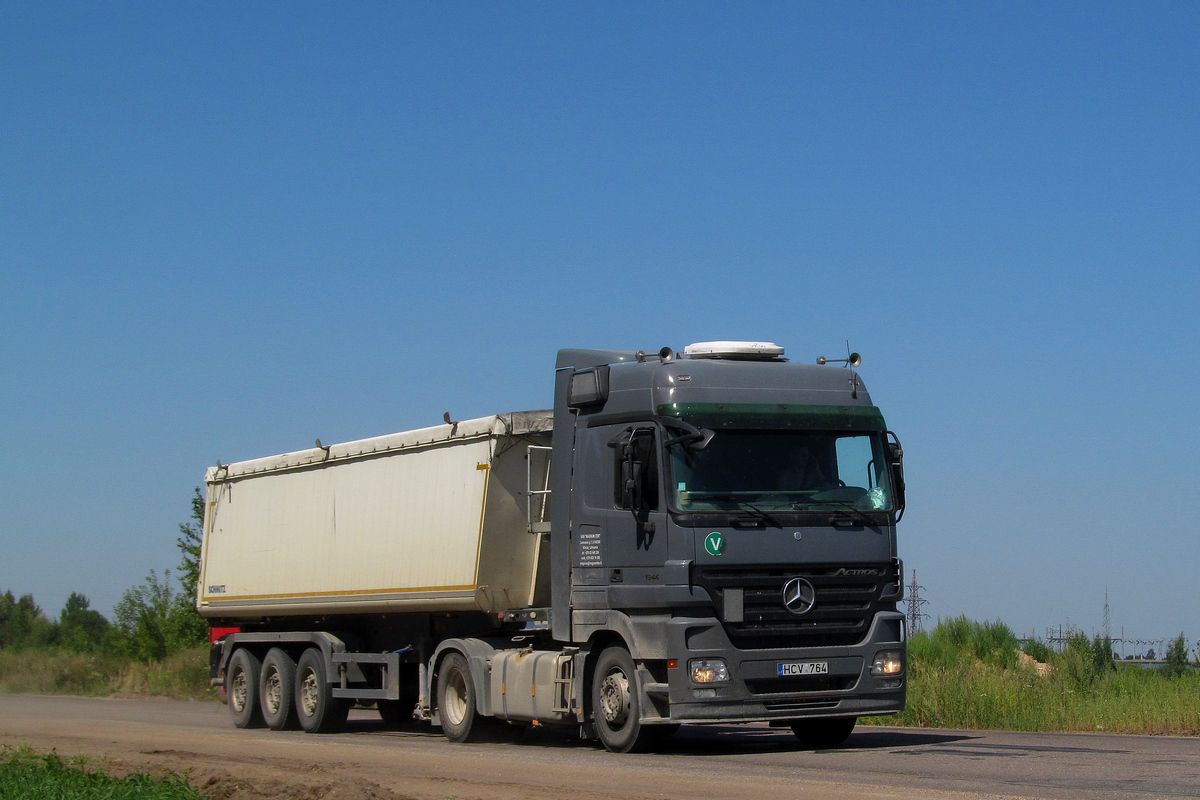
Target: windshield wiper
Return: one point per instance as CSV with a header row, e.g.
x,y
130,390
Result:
x,y
850,510
762,514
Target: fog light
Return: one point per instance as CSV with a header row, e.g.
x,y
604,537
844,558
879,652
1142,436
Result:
x,y
708,670
891,683
889,662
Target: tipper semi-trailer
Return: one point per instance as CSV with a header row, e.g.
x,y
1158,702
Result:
x,y
697,537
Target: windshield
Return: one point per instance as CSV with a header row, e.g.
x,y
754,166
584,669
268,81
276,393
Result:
x,y
781,471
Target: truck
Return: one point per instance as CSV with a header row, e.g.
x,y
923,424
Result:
x,y
695,537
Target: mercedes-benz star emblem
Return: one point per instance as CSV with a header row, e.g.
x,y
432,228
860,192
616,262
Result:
x,y
799,596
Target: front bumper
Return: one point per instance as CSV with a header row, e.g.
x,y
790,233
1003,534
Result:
x,y
756,692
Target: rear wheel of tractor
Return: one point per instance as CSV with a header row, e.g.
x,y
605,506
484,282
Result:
x,y
456,699
616,709
316,707
823,733
277,690
242,682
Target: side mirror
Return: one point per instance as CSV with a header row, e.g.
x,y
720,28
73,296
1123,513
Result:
x,y
631,480
895,453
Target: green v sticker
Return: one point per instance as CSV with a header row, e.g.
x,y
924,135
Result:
x,y
714,543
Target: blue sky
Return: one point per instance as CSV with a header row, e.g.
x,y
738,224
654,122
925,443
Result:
x,y
227,229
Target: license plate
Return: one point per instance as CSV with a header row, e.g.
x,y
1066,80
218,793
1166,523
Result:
x,y
789,668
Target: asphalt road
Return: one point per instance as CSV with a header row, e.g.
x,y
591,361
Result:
x,y
370,761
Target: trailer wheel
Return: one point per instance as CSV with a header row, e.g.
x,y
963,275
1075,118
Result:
x,y
242,683
456,699
616,710
821,733
316,707
277,690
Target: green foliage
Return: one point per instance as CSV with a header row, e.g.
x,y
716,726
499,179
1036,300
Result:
x,y
47,777
958,678
82,630
1037,650
151,619
1177,659
190,627
22,623
954,640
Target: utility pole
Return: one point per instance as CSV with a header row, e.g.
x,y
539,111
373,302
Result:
x,y
914,605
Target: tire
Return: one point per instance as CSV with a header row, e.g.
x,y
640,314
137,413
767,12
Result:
x,y
456,699
242,682
616,708
317,710
820,734
277,690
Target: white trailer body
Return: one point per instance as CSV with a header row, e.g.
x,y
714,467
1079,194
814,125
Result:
x,y
431,520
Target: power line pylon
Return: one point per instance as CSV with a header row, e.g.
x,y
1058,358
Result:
x,y
915,601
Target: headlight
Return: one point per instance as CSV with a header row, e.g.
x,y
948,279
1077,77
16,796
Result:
x,y
888,662
708,670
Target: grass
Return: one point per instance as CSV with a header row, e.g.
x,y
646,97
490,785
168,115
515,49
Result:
x,y
970,675
28,776
182,676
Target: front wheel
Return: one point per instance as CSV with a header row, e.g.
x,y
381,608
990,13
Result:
x,y
823,733
616,709
316,707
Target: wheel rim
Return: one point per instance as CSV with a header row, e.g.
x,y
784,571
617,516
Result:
x,y
309,693
614,698
238,691
273,695
454,699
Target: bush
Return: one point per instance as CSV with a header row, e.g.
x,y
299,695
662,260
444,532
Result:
x,y
1037,650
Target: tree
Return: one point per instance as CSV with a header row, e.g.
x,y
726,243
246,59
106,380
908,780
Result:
x,y
1102,655
22,623
189,542
143,615
1177,658
156,620
190,627
80,628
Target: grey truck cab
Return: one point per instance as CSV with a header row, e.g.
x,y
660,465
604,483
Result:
x,y
724,540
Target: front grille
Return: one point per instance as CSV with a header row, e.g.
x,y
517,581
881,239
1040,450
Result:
x,y
845,604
